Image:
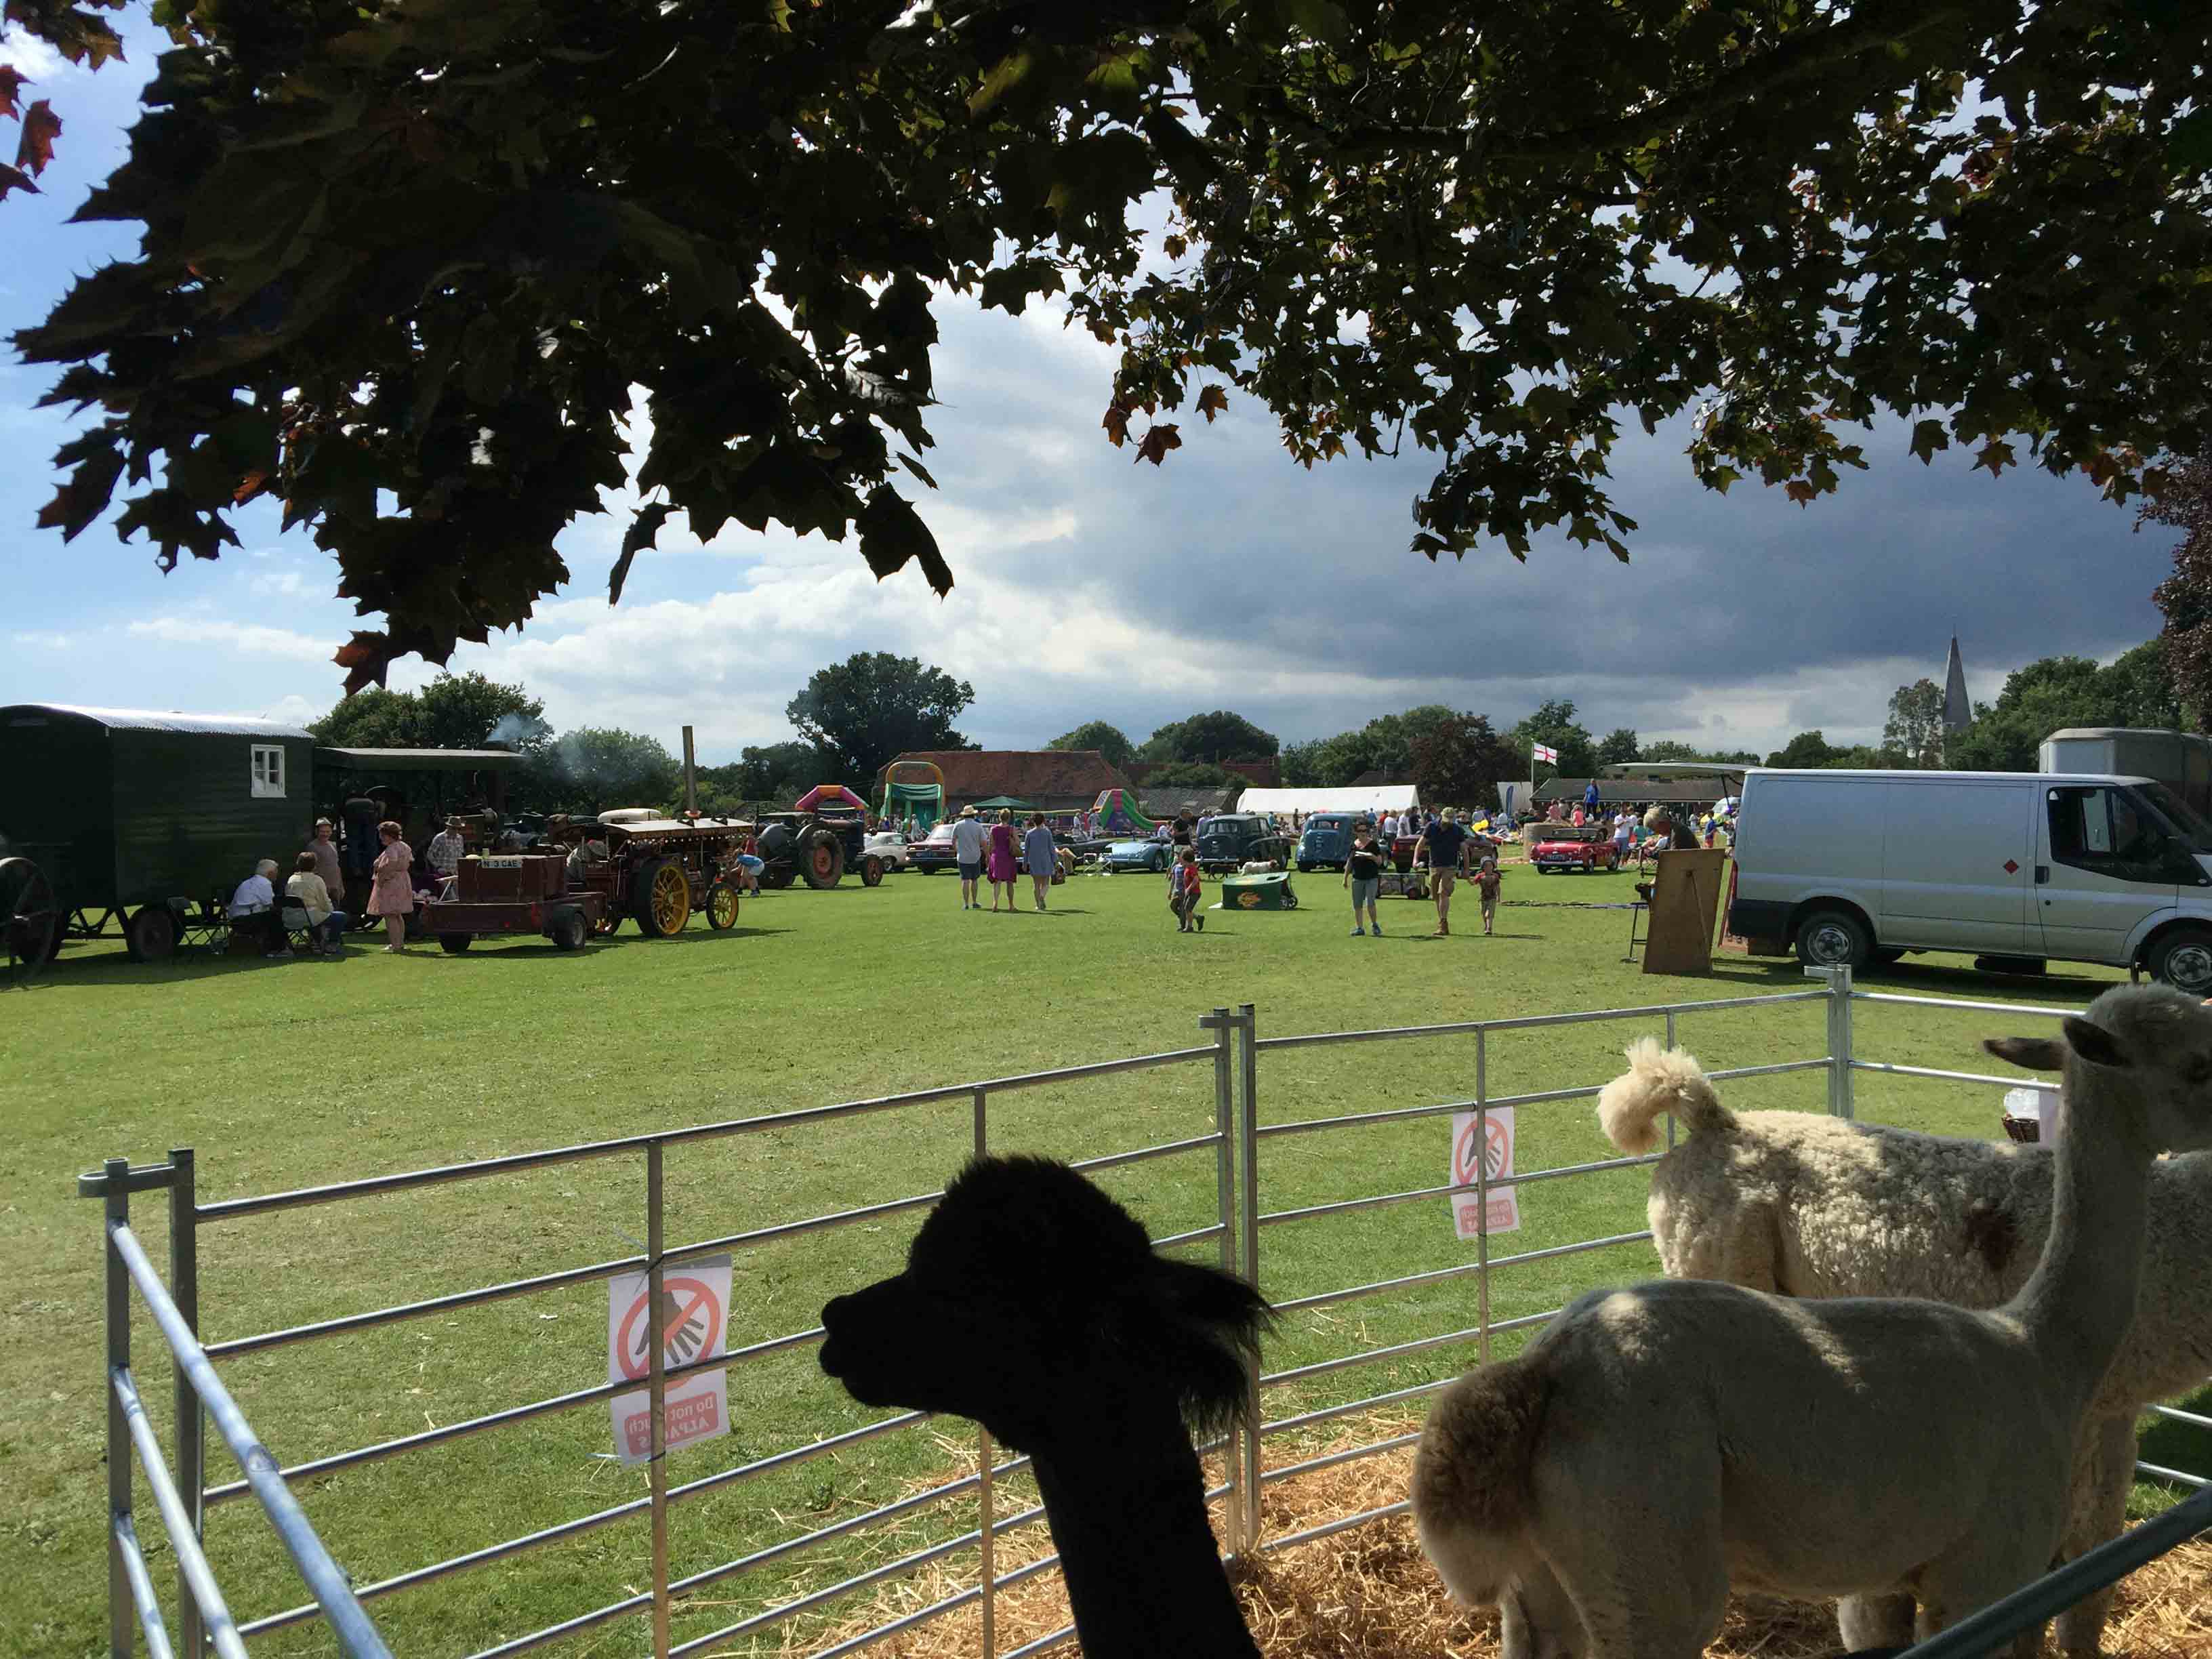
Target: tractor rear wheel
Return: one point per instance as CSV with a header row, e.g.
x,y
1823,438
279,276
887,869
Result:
x,y
661,898
722,906
821,858
150,935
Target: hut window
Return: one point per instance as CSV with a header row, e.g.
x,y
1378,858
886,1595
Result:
x,y
268,770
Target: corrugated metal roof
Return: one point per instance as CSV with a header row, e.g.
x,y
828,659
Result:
x,y
153,719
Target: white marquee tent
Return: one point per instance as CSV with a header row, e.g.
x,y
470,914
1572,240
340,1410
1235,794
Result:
x,y
1377,797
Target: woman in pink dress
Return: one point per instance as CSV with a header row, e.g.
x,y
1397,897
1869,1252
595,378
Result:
x,y
1001,866
391,887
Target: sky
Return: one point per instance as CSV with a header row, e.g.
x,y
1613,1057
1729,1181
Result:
x,y
1089,587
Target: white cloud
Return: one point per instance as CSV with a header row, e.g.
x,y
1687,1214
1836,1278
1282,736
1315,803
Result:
x,y
252,639
283,584
44,640
33,58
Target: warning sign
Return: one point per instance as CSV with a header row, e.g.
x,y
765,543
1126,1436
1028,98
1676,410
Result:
x,y
691,1324
1495,1133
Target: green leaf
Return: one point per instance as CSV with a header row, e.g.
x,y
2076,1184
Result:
x,y
1003,77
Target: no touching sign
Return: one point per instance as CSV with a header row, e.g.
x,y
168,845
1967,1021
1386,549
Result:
x,y
1496,1142
690,1323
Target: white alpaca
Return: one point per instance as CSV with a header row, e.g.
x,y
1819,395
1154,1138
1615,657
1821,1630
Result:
x,y
1660,1443
1811,1206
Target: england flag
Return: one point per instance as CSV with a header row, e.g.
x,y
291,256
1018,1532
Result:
x,y
1546,752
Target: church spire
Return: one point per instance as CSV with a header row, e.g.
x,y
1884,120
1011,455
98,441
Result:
x,y
1958,712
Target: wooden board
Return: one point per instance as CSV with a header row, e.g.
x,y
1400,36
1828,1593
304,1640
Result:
x,y
1685,896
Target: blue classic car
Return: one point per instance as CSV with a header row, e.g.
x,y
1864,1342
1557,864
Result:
x,y
1328,841
1136,855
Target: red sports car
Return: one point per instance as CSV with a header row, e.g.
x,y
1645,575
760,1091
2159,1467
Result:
x,y
1585,847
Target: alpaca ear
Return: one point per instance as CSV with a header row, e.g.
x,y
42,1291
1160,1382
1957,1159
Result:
x,y
2093,1043
2031,1054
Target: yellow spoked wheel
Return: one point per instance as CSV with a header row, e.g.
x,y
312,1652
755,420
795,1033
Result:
x,y
672,898
721,907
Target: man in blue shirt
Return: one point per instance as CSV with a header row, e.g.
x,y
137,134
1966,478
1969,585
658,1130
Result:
x,y
1443,849
1590,800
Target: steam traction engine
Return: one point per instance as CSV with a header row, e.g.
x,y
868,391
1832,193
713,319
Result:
x,y
656,871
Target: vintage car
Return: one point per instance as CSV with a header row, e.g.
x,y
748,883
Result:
x,y
1229,841
934,851
890,847
1122,855
1327,841
1586,846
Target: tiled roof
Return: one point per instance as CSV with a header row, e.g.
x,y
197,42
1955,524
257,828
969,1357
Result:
x,y
1045,776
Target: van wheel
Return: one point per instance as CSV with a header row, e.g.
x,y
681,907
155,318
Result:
x,y
1833,938
2183,958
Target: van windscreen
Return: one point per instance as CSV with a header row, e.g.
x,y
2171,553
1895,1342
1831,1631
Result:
x,y
2188,824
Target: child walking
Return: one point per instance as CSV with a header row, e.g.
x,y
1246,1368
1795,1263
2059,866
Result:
x,y
1486,883
1187,894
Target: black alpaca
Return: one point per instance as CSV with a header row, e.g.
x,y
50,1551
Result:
x,y
1034,1303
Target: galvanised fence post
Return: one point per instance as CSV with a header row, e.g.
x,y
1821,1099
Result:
x,y
122,1612
985,1517
192,1419
1248,1043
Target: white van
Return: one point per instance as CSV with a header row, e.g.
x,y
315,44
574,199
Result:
x,y
1852,868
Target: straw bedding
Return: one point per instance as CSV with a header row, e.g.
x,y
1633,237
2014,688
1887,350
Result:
x,y
1369,1593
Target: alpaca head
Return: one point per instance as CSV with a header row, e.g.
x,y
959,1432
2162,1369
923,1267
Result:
x,y
1034,1303
2151,1043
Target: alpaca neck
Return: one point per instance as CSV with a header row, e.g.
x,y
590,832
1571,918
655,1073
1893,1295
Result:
x,y
2078,1303
1127,1512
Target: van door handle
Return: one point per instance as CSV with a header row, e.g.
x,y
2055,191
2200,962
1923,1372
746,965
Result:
x,y
2042,874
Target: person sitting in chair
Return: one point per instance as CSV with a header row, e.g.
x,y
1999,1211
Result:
x,y
252,909
306,888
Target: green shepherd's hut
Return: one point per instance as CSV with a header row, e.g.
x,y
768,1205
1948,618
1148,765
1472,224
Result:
x,y
150,817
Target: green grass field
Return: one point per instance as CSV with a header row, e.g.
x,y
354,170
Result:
x,y
287,1074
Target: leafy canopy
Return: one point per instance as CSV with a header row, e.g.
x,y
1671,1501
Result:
x,y
862,713
404,262
453,711
1215,738
1108,740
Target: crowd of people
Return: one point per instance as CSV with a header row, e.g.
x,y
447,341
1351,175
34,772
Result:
x,y
379,875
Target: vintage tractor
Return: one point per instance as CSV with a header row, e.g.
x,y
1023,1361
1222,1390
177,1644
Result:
x,y
817,848
653,869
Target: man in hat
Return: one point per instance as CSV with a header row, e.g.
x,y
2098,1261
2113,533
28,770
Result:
x,y
967,842
443,855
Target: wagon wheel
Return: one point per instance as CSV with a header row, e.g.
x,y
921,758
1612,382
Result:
x,y
872,871
29,919
663,899
722,906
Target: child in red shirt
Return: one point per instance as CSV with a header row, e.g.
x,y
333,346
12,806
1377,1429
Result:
x,y
1187,894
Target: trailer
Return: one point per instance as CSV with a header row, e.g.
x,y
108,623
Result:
x,y
142,819
497,893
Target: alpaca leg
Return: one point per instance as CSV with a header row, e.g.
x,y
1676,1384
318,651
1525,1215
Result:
x,y
1875,1621
2104,1470
1647,1596
1537,1619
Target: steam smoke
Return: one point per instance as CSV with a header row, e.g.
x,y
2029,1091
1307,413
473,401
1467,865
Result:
x,y
516,732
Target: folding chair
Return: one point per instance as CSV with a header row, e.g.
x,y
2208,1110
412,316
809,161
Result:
x,y
299,930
